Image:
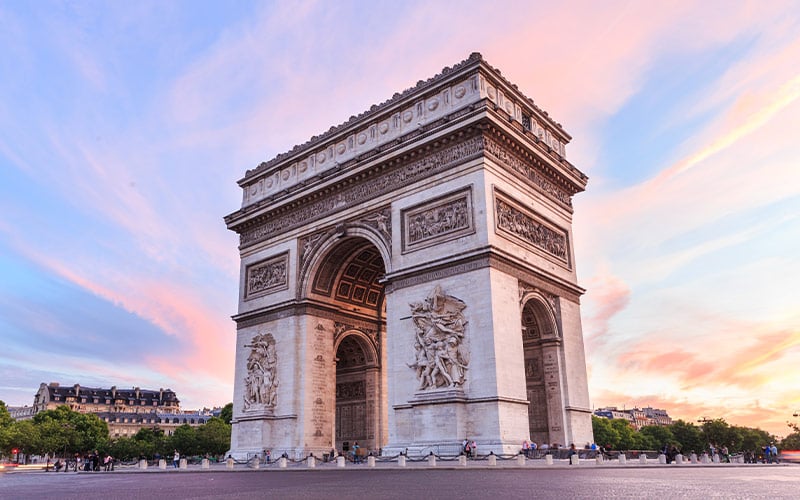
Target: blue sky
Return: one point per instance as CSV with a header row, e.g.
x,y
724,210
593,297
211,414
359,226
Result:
x,y
124,128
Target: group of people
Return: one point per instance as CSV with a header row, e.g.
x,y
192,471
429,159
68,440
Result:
x,y
90,462
470,448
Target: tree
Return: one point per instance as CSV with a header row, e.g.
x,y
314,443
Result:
x,y
604,433
214,437
227,413
628,437
82,431
656,437
6,422
24,436
184,439
688,437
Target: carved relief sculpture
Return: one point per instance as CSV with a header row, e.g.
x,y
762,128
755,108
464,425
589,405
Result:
x,y
439,326
261,383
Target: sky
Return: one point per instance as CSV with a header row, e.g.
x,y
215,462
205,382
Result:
x,y
124,127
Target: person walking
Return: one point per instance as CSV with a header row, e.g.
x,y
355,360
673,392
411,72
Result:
x,y
176,458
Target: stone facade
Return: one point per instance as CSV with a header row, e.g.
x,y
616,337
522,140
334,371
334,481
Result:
x,y
125,411
414,270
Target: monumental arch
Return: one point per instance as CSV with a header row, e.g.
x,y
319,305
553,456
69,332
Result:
x,y
408,280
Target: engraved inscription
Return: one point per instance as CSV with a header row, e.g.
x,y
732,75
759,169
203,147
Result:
x,y
525,227
267,276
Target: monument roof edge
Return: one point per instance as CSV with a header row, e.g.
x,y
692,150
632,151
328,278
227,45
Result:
x,y
475,60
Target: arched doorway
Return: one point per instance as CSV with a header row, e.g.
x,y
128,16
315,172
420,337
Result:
x,y
537,329
348,278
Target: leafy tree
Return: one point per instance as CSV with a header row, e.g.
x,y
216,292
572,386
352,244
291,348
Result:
x,y
227,413
124,448
604,433
214,437
657,436
688,437
752,439
6,422
24,436
82,431
628,437
150,441
184,439
791,442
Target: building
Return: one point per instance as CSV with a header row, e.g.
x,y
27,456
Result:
x,y
408,279
125,411
637,417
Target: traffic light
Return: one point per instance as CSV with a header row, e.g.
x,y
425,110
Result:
x,y
15,451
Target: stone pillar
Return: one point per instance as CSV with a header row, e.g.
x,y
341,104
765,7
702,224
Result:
x,y
162,464
662,459
622,459
401,461
548,459
520,459
311,462
492,459
255,463
679,459
599,459
370,461
431,460
574,460
282,462
693,458
704,458
183,464
142,464
229,463
716,458
643,459
340,461
462,460
205,464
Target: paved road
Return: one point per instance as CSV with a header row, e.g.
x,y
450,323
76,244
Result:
x,y
773,482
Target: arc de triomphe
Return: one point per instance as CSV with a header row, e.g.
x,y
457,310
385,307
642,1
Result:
x,y
408,280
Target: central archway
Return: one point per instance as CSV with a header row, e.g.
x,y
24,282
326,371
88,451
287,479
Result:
x,y
348,280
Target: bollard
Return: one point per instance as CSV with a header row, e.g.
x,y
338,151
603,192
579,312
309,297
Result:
x,y
662,459
716,458
229,463
492,459
643,459
340,461
462,460
693,458
283,462
574,459
548,459
311,462
183,464
598,459
370,461
142,464
622,459
704,458
431,460
205,464
162,464
401,461
520,459
678,459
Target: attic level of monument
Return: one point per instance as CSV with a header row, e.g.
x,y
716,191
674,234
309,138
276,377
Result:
x,y
472,95
408,280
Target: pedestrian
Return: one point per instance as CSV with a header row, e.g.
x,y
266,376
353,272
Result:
x,y
474,449
526,449
176,458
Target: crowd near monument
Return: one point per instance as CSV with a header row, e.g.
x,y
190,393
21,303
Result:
x,y
408,280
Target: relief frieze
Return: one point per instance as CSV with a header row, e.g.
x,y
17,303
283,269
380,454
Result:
x,y
438,221
413,171
267,276
526,227
523,168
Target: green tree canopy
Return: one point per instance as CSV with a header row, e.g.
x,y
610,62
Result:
x,y
82,431
214,437
227,413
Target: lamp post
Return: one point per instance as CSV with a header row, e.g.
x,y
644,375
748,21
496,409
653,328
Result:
x,y
704,420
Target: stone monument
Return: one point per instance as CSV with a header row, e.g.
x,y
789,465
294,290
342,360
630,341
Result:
x,y
408,280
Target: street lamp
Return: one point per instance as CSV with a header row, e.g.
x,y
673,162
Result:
x,y
703,420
